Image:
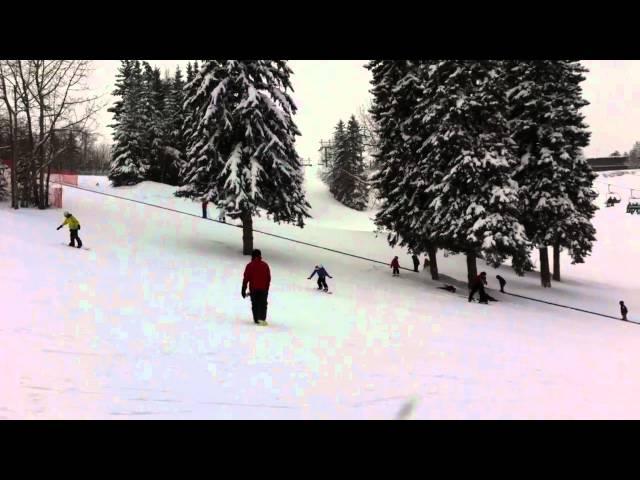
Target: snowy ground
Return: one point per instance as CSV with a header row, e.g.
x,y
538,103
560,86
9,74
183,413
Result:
x,y
150,324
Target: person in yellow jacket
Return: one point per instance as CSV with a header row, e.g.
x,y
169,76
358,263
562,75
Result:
x,y
74,226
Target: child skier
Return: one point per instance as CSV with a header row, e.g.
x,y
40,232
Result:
x,y
74,226
322,274
502,281
395,264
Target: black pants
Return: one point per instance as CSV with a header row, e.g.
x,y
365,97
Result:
x,y
502,284
396,271
415,266
478,288
74,237
204,210
259,304
322,283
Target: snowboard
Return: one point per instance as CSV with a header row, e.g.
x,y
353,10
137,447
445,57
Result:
x,y
324,291
81,248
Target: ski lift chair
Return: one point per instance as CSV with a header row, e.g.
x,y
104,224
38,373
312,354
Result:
x,y
634,204
613,198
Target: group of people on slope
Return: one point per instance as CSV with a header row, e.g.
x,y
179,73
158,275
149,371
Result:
x,y
257,275
476,286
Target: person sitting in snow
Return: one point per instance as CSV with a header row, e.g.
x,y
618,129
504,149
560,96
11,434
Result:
x,y
395,264
322,274
74,226
478,286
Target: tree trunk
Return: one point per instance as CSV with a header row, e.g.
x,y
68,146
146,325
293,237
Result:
x,y
46,195
433,265
556,261
14,153
472,268
247,233
545,274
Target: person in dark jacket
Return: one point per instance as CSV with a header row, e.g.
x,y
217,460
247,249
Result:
x,y
395,264
502,281
322,274
478,286
623,310
258,277
204,208
416,262
74,226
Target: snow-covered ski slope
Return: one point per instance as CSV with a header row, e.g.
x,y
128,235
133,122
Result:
x,y
150,323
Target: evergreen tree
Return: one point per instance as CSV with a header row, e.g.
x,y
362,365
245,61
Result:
x,y
405,178
544,100
241,155
336,157
634,156
190,73
72,153
359,195
152,111
475,210
128,164
346,177
4,185
174,139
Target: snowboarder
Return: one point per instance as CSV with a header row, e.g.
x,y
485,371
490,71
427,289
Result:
x,y
204,208
623,310
478,286
502,281
322,274
395,264
416,262
74,226
258,276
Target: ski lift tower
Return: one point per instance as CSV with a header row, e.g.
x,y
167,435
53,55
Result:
x,y
326,149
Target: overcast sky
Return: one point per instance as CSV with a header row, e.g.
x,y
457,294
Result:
x,y
329,90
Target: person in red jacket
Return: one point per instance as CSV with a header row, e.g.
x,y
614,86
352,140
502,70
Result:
x,y
395,264
258,276
478,286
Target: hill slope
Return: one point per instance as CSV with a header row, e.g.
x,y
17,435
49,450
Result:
x,y
150,323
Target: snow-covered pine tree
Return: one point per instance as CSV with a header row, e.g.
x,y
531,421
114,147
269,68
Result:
x,y
346,176
174,144
127,165
475,210
242,156
544,99
404,178
152,109
577,233
337,152
386,74
359,197
198,175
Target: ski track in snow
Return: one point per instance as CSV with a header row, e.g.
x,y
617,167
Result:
x,y
149,323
